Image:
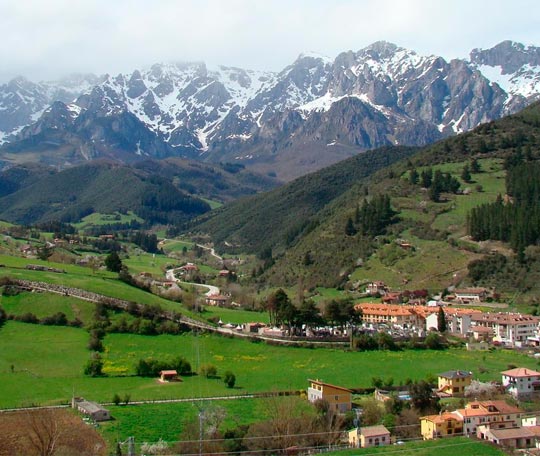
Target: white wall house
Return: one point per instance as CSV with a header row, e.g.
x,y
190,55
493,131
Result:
x,y
521,382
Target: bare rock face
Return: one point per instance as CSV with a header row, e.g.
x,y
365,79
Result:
x,y
380,95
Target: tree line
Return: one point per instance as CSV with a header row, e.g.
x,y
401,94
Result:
x,y
515,219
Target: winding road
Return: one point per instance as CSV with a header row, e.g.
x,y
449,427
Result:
x,y
212,290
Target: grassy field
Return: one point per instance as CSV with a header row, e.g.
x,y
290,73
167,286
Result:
x,y
103,282
234,315
148,262
98,219
443,447
48,362
46,304
174,245
151,422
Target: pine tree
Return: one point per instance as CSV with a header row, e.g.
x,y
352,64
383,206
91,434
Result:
x,y
441,320
350,230
466,174
413,176
113,262
426,178
475,166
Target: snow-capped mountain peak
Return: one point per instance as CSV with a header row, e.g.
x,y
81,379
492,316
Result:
x,y
381,94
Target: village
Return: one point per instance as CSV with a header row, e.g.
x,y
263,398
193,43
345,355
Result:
x,y
495,420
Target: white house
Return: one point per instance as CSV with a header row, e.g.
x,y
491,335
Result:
x,y
521,382
369,436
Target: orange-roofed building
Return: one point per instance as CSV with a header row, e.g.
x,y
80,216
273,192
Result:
x,y
483,412
407,315
442,425
521,382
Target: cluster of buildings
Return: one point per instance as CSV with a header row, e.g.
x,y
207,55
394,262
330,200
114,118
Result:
x,y
512,329
494,420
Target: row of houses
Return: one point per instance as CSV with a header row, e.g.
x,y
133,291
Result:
x,y
507,328
458,295
472,420
493,420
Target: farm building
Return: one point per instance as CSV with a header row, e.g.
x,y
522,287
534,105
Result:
x,y
92,410
168,376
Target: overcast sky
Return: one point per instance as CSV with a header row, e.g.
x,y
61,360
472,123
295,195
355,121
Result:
x,y
46,39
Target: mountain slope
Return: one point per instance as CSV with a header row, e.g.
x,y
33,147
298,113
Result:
x,y
99,187
322,252
278,218
22,102
313,113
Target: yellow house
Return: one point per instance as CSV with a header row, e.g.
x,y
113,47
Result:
x,y
453,382
442,425
339,398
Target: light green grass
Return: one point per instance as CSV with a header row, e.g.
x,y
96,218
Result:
x,y
151,422
174,245
442,447
147,262
46,304
235,315
213,204
98,219
102,282
49,364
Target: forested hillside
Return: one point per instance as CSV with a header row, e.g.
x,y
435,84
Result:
x,y
423,241
103,187
277,219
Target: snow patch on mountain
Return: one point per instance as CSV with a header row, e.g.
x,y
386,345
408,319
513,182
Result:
x,y
525,82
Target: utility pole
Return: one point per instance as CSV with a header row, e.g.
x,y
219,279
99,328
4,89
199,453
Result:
x,y
131,446
201,419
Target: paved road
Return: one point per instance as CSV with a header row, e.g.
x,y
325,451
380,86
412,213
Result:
x,y
212,290
212,251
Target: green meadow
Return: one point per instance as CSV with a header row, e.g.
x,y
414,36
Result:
x,y
441,447
44,364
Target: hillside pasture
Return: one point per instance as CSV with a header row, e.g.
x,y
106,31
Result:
x,y
46,304
48,365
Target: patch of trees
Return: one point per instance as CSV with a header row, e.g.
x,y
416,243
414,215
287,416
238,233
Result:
x,y
3,316
290,426
107,228
508,273
150,367
438,182
282,311
517,220
146,241
113,262
57,319
372,217
148,321
232,168
55,226
104,245
384,341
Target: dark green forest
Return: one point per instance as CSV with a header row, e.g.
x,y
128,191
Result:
x,y
516,218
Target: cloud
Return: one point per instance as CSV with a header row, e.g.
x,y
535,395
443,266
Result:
x,y
45,39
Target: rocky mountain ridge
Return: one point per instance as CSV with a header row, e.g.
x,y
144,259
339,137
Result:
x,y
313,113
